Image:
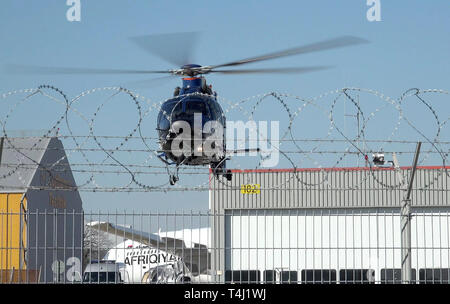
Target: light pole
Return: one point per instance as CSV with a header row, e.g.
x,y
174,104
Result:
x,y
406,224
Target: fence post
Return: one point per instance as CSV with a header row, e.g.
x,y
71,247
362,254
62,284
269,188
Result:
x,y
406,224
11,276
20,239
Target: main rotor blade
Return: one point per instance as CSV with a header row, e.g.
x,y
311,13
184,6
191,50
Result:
x,y
315,47
28,69
274,70
149,83
175,48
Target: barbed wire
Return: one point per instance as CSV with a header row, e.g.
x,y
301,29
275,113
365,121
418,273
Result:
x,y
98,152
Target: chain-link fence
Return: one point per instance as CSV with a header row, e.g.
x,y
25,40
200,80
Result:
x,y
328,246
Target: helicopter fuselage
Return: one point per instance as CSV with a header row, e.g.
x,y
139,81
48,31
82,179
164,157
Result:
x,y
184,125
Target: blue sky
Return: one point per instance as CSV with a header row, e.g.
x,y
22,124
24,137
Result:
x,y
409,48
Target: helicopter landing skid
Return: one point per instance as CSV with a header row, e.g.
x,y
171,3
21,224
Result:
x,y
173,177
220,169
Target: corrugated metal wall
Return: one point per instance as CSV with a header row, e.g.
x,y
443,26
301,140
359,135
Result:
x,y
10,236
344,188
330,188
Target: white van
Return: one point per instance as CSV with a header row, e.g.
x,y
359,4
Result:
x,y
105,272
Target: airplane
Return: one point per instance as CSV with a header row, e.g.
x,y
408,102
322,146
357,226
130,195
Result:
x,y
191,125
180,256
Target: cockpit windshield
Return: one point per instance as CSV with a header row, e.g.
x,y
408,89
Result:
x,y
167,107
175,110
196,107
187,108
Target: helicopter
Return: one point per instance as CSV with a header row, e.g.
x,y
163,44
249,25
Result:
x,y
191,125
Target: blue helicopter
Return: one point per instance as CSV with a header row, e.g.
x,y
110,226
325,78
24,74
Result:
x,y
194,105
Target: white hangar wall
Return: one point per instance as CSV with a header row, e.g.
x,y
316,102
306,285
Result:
x,y
335,220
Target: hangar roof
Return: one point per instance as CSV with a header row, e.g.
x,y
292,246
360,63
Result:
x,y
19,161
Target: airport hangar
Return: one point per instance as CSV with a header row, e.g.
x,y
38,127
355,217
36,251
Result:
x,y
328,225
40,210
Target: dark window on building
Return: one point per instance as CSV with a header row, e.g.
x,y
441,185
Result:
x,y
242,276
394,276
324,276
357,276
269,276
274,276
289,277
434,276
193,268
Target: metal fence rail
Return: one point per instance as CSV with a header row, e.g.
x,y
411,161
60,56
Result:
x,y
325,246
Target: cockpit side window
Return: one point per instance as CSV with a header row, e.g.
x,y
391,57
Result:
x,y
218,111
167,109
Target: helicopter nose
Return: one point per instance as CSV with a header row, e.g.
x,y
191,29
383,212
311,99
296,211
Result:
x,y
177,127
197,131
